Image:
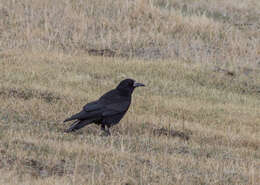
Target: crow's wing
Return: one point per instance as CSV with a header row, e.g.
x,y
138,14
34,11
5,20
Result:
x,y
78,125
92,106
108,105
90,110
116,108
83,115
113,113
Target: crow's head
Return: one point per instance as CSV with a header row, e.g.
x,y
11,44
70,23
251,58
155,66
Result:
x,y
128,85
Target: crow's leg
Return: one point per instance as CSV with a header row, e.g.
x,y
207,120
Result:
x,y
105,132
103,127
108,127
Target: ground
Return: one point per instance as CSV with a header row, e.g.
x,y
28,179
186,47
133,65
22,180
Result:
x,y
197,121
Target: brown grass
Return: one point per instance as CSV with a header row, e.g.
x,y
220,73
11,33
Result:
x,y
196,122
183,128
220,32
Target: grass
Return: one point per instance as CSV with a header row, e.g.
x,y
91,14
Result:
x,y
181,129
219,32
195,122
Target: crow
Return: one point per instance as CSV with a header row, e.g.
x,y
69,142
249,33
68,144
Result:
x,y
108,110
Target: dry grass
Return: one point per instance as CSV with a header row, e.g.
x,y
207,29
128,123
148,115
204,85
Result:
x,y
196,122
183,128
220,32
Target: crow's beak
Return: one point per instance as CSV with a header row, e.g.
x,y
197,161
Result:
x,y
136,84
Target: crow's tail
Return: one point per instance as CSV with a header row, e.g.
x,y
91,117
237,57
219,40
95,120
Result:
x,y
71,118
79,115
78,125
68,119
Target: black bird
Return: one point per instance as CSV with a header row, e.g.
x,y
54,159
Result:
x,y
108,110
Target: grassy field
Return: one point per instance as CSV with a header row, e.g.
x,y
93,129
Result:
x,y
188,126
197,121
215,31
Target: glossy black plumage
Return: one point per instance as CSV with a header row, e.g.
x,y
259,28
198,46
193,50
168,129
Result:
x,y
108,110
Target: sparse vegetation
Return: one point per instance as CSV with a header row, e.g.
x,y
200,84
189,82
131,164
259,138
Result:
x,y
196,122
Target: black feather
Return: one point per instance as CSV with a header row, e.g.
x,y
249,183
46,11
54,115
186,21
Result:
x,y
108,110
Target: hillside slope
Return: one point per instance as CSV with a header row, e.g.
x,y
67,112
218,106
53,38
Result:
x,y
196,122
190,125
